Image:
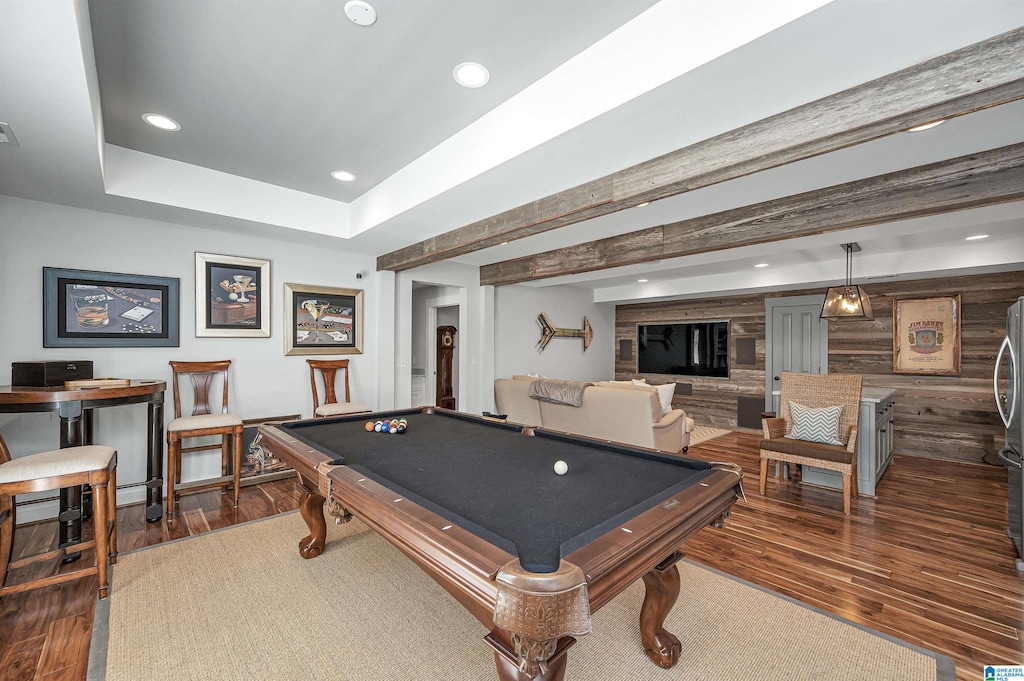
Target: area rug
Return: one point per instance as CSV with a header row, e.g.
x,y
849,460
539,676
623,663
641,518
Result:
x,y
704,433
241,603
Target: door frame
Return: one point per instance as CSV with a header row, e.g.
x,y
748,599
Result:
x,y
769,308
452,300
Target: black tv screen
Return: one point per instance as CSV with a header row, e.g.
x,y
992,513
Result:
x,y
694,349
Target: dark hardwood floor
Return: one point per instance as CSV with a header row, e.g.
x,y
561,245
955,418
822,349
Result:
x,y
926,561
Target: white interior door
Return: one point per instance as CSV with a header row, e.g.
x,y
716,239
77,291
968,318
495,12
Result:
x,y
796,339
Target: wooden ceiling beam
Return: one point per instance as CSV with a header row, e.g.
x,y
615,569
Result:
x,y
976,77
982,179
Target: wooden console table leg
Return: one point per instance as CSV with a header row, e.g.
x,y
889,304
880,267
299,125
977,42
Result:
x,y
662,586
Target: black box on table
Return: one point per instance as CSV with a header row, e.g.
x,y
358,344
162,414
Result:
x,y
49,374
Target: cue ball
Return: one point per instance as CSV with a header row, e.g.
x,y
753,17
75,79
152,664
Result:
x,y
233,296
561,467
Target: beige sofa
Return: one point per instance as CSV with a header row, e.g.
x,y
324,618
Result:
x,y
610,411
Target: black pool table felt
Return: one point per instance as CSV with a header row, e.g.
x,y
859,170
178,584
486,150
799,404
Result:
x,y
500,485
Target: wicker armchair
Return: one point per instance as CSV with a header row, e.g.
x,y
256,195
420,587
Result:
x,y
816,391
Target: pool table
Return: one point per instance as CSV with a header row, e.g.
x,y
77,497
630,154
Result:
x,y
477,505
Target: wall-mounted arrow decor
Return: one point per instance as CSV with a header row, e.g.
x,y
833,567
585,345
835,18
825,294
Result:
x,y
549,331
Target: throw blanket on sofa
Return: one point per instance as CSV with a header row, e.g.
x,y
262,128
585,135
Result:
x,y
558,391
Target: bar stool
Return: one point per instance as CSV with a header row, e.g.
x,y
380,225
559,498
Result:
x,y
328,369
201,423
94,465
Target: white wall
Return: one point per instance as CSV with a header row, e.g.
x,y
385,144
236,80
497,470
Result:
x,y
517,332
263,381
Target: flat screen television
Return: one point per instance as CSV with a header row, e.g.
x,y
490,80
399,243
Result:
x,y
692,349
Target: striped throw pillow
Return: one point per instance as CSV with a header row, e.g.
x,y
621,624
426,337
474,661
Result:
x,y
815,425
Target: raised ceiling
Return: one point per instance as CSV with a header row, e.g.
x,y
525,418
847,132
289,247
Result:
x,y
273,95
285,92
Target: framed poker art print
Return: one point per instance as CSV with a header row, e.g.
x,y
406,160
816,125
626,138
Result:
x,y
86,309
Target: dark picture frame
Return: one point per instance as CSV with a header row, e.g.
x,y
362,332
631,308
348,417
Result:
x,y
232,297
926,336
88,309
323,320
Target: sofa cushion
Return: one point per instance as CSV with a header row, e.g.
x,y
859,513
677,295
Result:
x,y
627,385
656,411
665,393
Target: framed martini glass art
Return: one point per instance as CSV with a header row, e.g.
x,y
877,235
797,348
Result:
x,y
232,296
322,320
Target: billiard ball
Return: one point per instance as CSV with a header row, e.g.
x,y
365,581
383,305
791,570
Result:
x,y
561,467
384,427
377,426
401,428
394,424
233,296
369,426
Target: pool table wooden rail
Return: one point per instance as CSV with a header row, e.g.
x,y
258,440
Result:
x,y
468,567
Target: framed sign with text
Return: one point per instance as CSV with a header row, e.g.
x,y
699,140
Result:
x,y
926,336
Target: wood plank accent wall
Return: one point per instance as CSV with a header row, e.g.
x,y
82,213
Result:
x,y
944,417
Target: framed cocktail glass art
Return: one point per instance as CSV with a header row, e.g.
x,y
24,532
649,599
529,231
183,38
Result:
x,y
84,309
322,320
926,336
232,296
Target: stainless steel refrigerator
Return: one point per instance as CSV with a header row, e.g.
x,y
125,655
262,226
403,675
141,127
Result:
x,y
1009,389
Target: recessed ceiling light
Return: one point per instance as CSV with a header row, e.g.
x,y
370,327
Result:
x,y
761,264
360,12
162,122
927,126
343,175
641,281
471,74
976,237
645,203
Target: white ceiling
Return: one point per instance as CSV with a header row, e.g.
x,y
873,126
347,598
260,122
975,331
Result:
x,y
274,94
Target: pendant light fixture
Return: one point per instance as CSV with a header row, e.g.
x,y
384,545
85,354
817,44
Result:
x,y
848,301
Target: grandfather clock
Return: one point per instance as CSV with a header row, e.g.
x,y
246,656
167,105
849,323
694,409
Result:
x,y
445,353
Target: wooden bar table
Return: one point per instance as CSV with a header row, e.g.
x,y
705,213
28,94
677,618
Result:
x,y
75,408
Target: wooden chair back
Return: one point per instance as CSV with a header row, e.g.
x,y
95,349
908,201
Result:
x,y
201,375
823,390
328,369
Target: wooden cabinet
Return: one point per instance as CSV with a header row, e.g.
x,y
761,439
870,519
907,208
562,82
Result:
x,y
874,444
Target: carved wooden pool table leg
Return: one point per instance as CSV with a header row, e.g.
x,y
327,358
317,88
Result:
x,y
311,506
662,584
546,658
